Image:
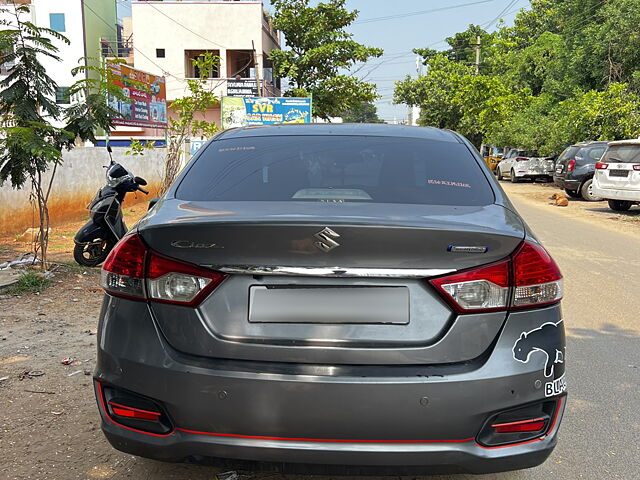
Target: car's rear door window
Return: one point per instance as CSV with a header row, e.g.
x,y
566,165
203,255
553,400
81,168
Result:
x,y
337,169
569,152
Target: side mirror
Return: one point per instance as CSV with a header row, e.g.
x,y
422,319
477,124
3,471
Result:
x,y
140,180
152,203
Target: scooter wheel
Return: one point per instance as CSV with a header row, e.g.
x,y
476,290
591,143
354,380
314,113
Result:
x,y
93,254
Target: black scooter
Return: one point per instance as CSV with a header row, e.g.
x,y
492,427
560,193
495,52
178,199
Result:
x,y
95,240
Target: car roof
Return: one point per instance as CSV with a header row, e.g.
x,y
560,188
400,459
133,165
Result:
x,y
631,141
342,129
591,144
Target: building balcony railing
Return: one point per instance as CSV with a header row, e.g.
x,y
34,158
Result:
x,y
114,48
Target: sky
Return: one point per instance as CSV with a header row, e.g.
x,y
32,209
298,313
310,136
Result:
x,y
401,25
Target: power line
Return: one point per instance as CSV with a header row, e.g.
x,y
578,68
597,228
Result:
x,y
421,12
502,12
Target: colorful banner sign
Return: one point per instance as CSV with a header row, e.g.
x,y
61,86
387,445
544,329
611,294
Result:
x,y
148,98
195,145
238,112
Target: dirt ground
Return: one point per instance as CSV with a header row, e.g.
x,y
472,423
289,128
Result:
x,y
49,424
593,212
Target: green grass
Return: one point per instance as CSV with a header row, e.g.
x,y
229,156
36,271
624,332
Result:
x,y
71,266
30,282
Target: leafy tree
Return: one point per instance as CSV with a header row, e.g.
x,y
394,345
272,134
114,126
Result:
x,y
95,87
435,92
188,109
319,50
362,113
29,143
566,71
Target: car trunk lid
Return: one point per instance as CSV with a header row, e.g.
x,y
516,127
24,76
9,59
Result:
x,y
328,283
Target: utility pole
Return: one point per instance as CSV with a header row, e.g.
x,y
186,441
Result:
x,y
478,46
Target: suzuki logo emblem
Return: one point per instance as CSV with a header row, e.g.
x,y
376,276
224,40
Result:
x,y
326,240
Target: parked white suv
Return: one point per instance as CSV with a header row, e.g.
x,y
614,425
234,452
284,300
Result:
x,y
617,176
519,164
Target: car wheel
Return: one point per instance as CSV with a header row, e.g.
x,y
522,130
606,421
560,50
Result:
x,y
499,173
93,254
514,179
587,192
619,205
572,193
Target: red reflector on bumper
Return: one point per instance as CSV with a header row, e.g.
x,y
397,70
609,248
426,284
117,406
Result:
x,y
533,425
130,412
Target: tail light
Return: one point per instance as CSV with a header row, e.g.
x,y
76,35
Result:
x,y
123,271
636,167
537,278
484,289
528,278
133,271
571,164
521,159
601,166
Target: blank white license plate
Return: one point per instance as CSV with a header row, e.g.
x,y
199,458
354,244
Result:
x,y
358,305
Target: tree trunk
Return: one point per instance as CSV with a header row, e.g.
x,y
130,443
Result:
x,y
172,162
41,242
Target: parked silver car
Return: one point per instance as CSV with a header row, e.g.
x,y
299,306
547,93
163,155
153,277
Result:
x,y
521,164
346,295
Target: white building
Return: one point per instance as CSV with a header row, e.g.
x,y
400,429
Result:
x,y
168,35
82,22
413,115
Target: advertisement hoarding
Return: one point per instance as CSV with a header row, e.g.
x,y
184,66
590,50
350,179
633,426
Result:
x,y
238,112
148,98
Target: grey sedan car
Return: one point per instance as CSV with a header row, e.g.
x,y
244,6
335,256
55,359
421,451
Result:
x,y
334,295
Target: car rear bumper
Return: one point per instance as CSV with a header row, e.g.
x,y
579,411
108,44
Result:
x,y
462,457
239,410
616,194
568,184
533,174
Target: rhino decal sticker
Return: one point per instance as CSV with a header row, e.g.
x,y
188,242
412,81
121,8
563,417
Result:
x,y
548,340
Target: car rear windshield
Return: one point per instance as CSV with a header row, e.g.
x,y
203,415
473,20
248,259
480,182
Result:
x,y
622,154
337,169
588,155
526,153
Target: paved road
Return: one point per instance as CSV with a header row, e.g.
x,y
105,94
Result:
x,y
600,436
